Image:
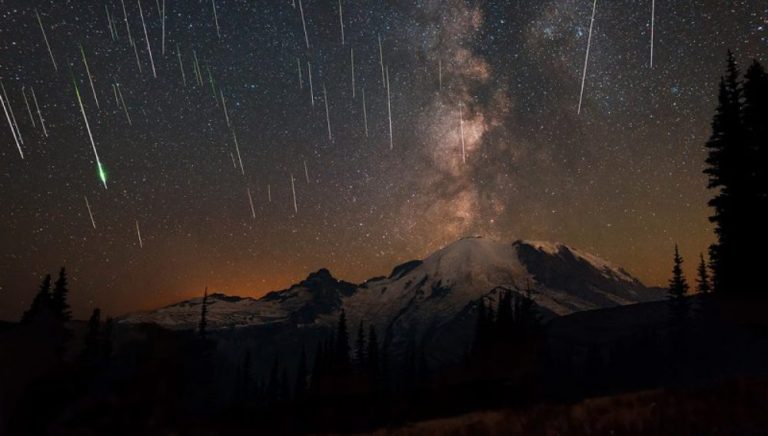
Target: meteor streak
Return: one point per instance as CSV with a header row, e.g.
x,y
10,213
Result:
x,y
381,61
365,115
216,19
293,189
653,19
224,105
327,114
237,148
146,38
303,24
352,63
10,124
586,58
311,88
306,172
29,109
250,200
389,111
138,233
90,213
461,131
341,22
13,116
102,173
301,80
163,15
125,107
39,114
45,38
181,66
90,78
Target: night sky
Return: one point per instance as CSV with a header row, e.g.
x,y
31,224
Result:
x,y
622,179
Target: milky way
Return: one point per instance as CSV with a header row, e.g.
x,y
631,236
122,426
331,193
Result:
x,y
485,137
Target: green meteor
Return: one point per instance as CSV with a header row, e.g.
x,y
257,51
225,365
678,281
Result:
x,y
102,173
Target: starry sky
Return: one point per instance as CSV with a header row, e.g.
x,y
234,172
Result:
x,y
485,137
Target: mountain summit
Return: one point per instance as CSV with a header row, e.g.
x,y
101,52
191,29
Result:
x,y
430,301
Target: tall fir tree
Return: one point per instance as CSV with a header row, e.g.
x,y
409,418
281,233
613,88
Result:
x,y
41,304
203,327
678,290
59,297
703,285
755,117
729,164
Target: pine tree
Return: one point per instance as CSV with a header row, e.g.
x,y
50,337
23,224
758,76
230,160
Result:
x,y
755,116
93,341
360,346
678,290
702,277
59,297
342,344
41,305
202,329
728,168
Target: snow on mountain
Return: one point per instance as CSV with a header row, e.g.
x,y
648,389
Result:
x,y
430,303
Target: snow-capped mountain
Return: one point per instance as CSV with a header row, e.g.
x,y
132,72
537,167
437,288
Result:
x,y
428,302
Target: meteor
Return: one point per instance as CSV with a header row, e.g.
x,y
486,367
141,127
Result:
x,y
365,115
440,75
29,109
381,61
250,200
303,24
306,172
10,124
130,36
352,63
13,116
653,19
39,114
146,38
237,148
586,59
216,18
90,213
90,78
198,74
224,104
163,15
293,189
311,88
389,111
102,173
138,233
341,22
125,107
45,38
327,114
301,81
269,193
181,66
109,23
461,131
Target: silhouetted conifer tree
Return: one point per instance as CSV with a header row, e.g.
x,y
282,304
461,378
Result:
x,y
41,305
372,353
59,297
755,116
678,290
341,352
702,277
